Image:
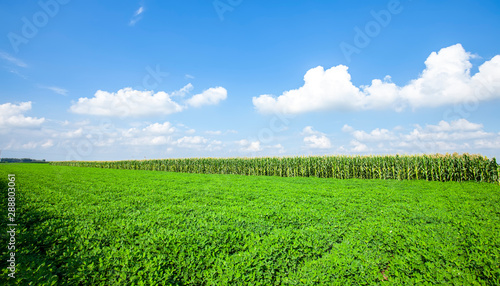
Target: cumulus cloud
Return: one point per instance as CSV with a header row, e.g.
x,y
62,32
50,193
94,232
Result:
x,y
249,146
279,148
191,140
198,142
315,139
216,132
219,132
426,134
445,80
210,96
359,147
317,142
47,144
160,128
457,125
153,134
183,91
347,128
375,135
148,141
322,90
126,102
493,143
12,116
457,135
78,133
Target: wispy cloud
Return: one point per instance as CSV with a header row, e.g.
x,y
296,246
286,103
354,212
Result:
x,y
16,72
137,16
12,60
55,89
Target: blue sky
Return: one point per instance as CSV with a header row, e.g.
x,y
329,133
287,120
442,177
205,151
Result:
x,y
111,80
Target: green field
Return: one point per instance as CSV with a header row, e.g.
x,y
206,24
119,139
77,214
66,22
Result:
x,y
92,226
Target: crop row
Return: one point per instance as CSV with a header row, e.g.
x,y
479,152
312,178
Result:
x,y
420,167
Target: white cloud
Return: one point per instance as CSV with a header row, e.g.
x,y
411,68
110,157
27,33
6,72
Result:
x,y
214,145
11,116
157,128
358,147
49,143
249,146
153,134
198,143
375,135
347,128
217,132
58,90
12,59
493,143
29,145
16,72
105,143
210,96
127,102
427,135
137,16
316,139
191,140
139,11
318,142
308,130
148,141
78,133
445,80
183,91
330,89
455,136
457,125
279,148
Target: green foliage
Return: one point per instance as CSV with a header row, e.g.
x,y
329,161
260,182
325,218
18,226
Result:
x,y
425,167
90,226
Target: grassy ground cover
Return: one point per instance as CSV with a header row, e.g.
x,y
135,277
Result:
x,y
91,226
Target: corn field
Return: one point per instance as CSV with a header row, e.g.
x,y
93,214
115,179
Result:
x,y
415,167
